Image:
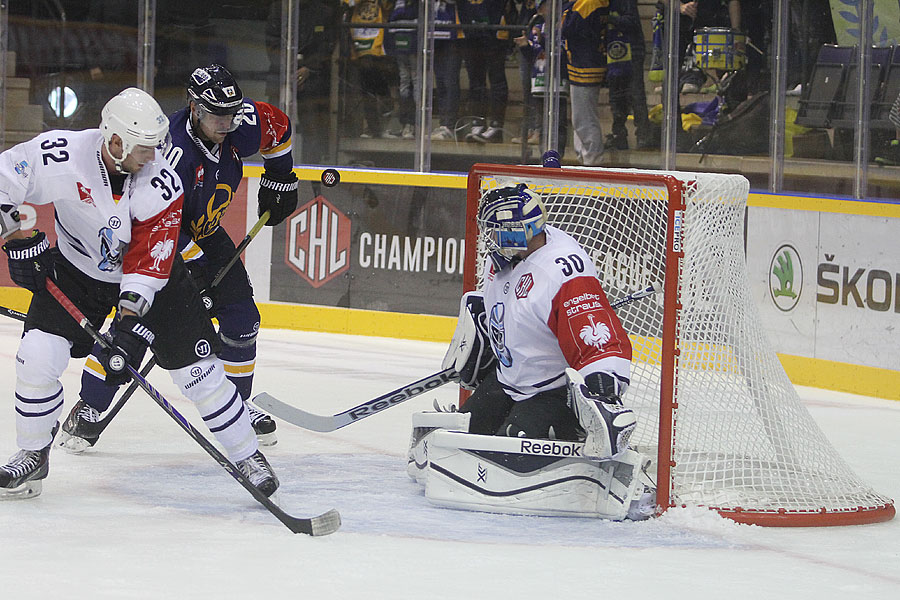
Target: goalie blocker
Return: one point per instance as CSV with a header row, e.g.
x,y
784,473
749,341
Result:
x,y
524,476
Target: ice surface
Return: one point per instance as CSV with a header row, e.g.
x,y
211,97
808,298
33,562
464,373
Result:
x,y
147,514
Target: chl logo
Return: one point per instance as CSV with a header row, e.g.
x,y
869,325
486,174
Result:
x,y
318,242
524,286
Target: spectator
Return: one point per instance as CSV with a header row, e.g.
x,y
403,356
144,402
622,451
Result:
x,y
625,76
485,54
526,15
447,62
401,44
317,37
698,14
891,154
373,69
533,46
584,26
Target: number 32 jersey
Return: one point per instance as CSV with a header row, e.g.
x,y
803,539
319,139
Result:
x,y
129,238
549,312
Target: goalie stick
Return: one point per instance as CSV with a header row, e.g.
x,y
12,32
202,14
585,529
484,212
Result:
x,y
323,524
325,423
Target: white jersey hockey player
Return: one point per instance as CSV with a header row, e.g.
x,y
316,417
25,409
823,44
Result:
x,y
117,205
548,359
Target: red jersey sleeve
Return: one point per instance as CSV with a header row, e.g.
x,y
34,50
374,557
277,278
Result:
x,y
153,242
584,323
275,130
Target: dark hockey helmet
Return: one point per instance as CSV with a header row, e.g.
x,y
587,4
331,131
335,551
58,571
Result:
x,y
215,91
508,218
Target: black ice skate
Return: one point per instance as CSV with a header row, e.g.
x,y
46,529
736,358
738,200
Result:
x,y
263,425
259,472
81,429
22,476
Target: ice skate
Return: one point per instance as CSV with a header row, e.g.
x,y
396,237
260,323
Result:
x,y
81,429
263,425
260,473
22,476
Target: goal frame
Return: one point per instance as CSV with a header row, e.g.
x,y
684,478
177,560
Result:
x,y
671,319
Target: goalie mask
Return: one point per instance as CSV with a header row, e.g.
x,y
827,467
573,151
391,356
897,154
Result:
x,y
218,97
135,116
508,218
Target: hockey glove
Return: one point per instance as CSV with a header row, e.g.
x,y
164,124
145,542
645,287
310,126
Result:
x,y
199,271
129,343
470,352
607,423
278,195
30,261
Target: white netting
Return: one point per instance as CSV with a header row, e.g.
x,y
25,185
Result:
x,y
742,441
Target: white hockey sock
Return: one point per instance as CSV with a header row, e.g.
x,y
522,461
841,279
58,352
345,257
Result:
x,y
41,359
220,405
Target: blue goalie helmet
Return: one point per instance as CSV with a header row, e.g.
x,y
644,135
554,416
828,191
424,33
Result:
x,y
508,218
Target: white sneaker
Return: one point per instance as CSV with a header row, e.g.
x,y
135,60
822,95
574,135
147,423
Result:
x,y
442,133
690,88
408,132
797,91
476,130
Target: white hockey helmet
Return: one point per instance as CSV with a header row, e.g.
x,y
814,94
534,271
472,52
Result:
x,y
135,116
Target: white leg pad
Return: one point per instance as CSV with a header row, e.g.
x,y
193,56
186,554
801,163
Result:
x,y
220,405
40,361
527,476
423,425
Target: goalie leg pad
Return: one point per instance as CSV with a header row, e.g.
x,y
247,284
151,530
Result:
x,y
607,425
423,425
529,476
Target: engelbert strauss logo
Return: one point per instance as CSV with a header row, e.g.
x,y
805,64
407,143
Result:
x,y
786,278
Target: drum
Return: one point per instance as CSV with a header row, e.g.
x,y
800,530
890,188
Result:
x,y
716,48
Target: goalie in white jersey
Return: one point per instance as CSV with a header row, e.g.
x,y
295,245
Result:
x,y
559,359
117,204
545,431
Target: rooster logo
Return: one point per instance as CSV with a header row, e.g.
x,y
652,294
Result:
x,y
595,334
161,251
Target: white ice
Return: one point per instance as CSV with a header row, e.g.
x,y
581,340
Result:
x,y
148,514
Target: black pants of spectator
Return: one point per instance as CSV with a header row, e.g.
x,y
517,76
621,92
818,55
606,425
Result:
x,y
627,95
486,64
447,63
375,75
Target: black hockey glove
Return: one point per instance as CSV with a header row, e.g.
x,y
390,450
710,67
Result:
x,y
605,387
278,195
199,271
129,343
30,261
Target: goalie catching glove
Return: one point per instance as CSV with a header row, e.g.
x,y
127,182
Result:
x,y
470,352
278,195
596,401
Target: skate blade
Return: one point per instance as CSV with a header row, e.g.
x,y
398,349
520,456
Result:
x,y
267,439
72,444
29,489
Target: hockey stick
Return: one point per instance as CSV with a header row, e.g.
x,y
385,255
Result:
x,y
104,422
20,316
326,423
320,525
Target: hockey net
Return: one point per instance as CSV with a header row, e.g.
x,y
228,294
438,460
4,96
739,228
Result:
x,y
713,402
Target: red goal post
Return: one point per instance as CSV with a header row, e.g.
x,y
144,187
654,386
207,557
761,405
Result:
x,y
715,408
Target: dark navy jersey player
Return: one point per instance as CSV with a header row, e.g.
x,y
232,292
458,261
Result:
x,y
211,137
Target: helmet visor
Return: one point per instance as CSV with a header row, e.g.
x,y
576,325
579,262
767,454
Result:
x,y
224,123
